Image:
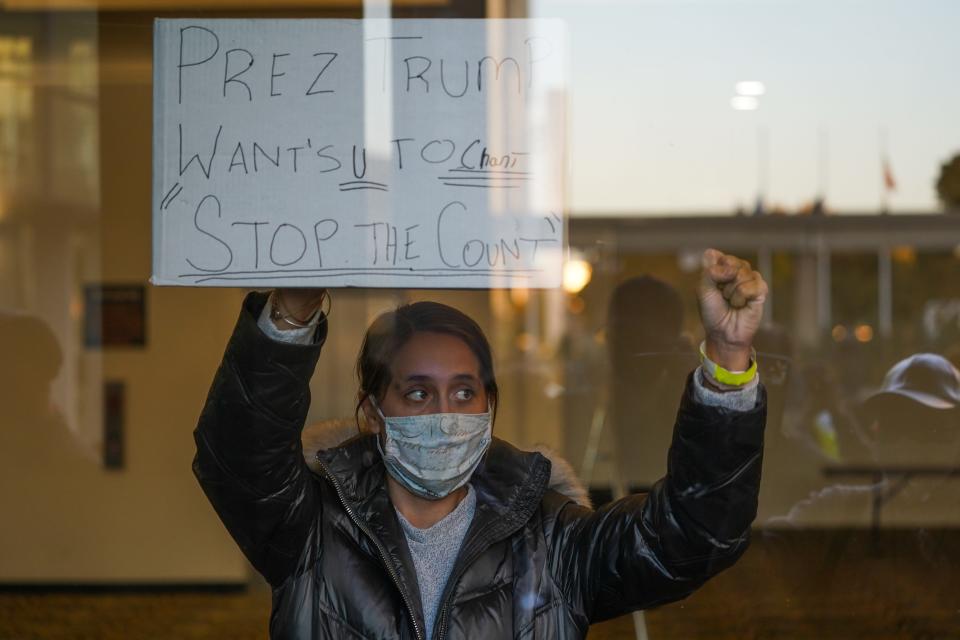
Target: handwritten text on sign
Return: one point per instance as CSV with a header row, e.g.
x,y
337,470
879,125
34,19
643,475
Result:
x,y
404,153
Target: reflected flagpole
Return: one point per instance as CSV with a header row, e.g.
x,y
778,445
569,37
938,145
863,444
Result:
x,y
763,160
887,181
823,160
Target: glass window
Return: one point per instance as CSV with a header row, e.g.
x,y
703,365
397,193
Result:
x,y
815,140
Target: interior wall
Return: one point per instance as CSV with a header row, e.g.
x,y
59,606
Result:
x,y
69,519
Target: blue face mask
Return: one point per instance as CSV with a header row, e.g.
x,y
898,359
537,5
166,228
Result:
x,y
435,454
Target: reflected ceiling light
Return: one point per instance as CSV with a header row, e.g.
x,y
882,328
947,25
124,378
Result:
x,y
839,333
689,260
553,390
863,333
519,296
576,305
525,341
904,254
749,88
744,103
576,275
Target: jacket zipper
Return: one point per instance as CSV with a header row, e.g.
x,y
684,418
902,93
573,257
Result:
x,y
380,548
442,626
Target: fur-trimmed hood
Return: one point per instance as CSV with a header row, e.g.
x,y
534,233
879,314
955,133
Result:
x,y
328,434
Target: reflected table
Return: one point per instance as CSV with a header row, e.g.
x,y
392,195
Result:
x,y
888,481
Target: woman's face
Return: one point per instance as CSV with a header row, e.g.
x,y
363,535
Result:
x,y
432,373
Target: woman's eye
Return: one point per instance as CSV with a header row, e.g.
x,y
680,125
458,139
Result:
x,y
418,395
464,394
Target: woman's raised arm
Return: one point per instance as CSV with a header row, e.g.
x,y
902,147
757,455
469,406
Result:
x,y
249,458
645,550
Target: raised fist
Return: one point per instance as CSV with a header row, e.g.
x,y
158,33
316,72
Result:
x,y
731,296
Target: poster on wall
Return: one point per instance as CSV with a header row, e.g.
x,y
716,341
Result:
x,y
370,153
114,315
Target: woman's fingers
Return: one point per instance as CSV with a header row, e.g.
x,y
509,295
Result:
x,y
726,268
750,289
734,277
743,274
301,301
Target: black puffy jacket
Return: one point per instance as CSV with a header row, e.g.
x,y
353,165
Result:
x,y
534,564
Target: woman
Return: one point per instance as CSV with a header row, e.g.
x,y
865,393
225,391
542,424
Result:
x,y
427,527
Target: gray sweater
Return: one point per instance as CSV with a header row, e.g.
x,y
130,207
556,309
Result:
x,y
434,551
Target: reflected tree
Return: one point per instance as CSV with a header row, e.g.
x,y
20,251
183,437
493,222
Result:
x,y
948,184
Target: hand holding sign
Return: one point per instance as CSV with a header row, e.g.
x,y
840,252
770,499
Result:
x,y
296,306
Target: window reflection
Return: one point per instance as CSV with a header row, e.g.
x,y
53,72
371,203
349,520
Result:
x,y
16,54
826,181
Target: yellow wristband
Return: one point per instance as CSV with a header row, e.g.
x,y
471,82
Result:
x,y
723,376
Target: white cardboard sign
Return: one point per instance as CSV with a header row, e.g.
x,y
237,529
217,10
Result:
x,y
378,153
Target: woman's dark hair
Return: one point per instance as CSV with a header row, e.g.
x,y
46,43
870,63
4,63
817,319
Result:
x,y
392,329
